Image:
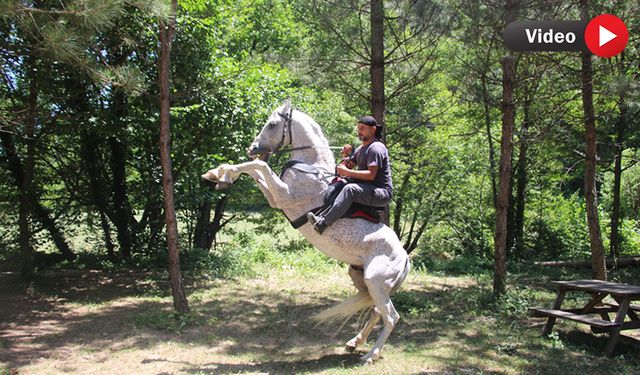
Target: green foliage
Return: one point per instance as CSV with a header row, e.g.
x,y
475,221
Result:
x,y
459,265
629,200
413,305
248,252
8,232
251,256
556,342
557,229
94,64
165,320
515,303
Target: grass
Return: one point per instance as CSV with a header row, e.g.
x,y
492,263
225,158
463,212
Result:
x,y
255,320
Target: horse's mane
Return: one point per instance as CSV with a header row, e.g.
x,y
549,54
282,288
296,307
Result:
x,y
323,152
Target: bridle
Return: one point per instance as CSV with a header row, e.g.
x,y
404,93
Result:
x,y
288,119
287,128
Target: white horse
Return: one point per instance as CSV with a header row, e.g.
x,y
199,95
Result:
x,y
379,263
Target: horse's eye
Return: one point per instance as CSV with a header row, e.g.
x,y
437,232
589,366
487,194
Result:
x,y
272,125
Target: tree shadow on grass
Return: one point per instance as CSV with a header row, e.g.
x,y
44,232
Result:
x,y
35,323
324,362
84,286
595,344
237,320
473,325
581,353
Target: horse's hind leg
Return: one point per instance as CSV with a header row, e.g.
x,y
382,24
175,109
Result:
x,y
376,278
357,276
361,337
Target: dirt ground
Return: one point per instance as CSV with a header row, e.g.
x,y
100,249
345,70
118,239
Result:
x,y
96,322
92,322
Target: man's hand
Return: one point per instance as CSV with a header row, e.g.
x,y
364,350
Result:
x,y
346,150
343,171
366,175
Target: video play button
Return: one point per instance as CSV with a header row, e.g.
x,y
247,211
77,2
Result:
x,y
606,35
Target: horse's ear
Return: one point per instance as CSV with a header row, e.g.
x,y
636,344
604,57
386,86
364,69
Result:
x,y
287,106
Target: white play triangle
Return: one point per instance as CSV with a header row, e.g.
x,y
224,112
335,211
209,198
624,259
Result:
x,y
605,36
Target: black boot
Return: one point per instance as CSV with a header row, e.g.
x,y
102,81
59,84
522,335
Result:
x,y
317,222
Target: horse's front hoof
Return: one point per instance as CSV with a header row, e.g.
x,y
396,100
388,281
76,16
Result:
x,y
350,348
223,185
209,176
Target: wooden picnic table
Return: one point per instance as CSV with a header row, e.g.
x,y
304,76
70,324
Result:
x,y
622,294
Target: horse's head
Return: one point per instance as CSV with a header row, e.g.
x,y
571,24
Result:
x,y
275,134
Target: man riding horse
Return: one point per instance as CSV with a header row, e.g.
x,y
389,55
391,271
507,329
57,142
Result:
x,y
379,263
371,186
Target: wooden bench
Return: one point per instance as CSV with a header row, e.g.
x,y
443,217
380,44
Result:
x,y
631,306
623,294
574,316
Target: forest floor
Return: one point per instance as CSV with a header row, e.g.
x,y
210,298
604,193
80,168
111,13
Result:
x,y
99,322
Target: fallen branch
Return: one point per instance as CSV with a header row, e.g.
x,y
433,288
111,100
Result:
x,y
618,263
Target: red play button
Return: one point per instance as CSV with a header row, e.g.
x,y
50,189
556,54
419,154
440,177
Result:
x,y
606,35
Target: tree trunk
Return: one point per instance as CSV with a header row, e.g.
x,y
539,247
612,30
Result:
x,y
376,68
152,216
201,235
487,123
413,237
156,223
90,147
414,244
614,236
506,150
166,34
26,250
206,231
122,215
121,207
521,173
599,271
39,212
412,228
217,224
397,213
511,212
44,217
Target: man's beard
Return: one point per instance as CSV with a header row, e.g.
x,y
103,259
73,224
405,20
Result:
x,y
364,138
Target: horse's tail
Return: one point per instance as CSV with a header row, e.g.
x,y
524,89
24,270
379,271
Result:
x,y
361,301
345,309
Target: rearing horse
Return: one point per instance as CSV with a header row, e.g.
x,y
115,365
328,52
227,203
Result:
x,y
379,263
